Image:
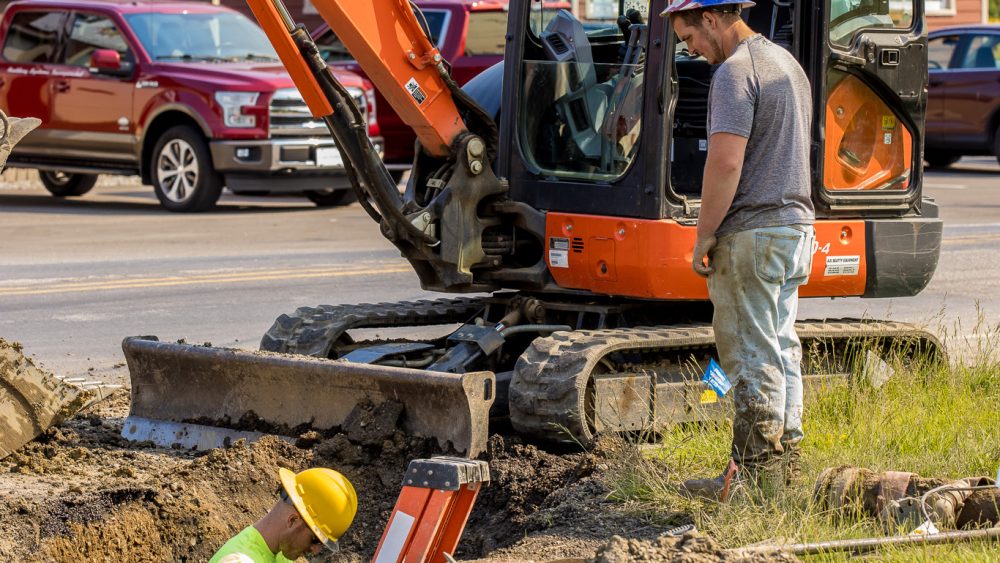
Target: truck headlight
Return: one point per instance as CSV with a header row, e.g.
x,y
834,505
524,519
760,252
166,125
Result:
x,y
232,104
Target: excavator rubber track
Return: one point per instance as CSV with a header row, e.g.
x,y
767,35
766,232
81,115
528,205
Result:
x,y
313,331
555,379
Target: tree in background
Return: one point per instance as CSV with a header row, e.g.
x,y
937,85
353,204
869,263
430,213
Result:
x,y
994,10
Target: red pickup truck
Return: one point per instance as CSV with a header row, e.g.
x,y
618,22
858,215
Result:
x,y
471,36
188,95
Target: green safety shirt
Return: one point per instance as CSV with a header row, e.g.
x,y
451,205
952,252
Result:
x,y
247,546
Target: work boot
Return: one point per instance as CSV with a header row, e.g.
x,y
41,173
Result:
x,y
775,473
717,489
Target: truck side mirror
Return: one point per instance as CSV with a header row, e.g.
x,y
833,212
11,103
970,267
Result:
x,y
109,62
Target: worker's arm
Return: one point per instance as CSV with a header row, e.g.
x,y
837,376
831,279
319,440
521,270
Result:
x,y
722,175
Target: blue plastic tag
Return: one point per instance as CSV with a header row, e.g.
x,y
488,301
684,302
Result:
x,y
716,379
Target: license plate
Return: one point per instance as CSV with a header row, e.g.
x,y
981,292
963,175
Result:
x,y
329,157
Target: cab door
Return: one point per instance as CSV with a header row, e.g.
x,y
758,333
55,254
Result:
x,y
30,47
870,83
92,108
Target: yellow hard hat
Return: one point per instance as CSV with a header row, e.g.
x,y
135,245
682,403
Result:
x,y
325,499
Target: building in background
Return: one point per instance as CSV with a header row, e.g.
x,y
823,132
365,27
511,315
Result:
x,y
942,13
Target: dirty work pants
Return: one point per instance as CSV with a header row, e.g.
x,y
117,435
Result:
x,y
754,291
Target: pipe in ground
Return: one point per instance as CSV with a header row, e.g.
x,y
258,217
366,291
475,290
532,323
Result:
x,y
869,544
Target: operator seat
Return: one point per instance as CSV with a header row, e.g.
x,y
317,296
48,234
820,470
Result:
x,y
583,102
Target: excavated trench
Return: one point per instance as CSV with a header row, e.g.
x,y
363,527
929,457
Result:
x,y
82,492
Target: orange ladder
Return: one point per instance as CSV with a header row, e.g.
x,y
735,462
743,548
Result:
x,y
432,510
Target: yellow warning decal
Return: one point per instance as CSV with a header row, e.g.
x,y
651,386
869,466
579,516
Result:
x,y
888,122
709,396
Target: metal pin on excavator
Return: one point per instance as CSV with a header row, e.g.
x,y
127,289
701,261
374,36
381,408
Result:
x,y
562,187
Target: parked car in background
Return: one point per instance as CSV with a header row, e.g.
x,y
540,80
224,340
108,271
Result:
x,y
188,95
963,100
471,36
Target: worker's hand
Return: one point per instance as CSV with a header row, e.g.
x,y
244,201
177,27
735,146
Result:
x,y
699,260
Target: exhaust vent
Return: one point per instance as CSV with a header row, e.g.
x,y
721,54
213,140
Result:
x,y
577,244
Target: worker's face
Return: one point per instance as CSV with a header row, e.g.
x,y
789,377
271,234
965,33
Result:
x,y
701,39
299,539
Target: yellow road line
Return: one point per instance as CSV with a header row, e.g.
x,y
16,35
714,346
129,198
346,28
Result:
x,y
241,277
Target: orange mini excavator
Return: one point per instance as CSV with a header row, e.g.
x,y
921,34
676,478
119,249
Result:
x,y
561,188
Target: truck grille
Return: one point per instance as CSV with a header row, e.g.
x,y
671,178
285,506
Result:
x,y
290,116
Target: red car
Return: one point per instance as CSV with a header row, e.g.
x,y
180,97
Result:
x,y
963,97
471,36
188,95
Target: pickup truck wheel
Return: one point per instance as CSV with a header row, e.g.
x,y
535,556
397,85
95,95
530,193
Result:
x,y
65,184
332,198
183,177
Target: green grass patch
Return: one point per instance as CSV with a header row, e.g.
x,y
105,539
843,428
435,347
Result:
x,y
931,419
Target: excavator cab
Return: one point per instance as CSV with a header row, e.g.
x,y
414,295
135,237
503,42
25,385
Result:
x,y
561,189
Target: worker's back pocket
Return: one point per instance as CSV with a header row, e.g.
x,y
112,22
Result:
x,y
776,253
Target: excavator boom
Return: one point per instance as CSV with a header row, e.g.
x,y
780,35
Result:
x,y
386,39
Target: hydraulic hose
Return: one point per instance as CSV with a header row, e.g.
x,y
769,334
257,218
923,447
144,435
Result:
x,y
349,128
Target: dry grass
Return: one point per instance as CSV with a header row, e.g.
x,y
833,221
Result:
x,y
932,419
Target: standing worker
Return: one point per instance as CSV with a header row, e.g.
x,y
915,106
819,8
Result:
x,y
755,230
315,508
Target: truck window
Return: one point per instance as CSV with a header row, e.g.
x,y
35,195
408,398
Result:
x,y
213,36
487,33
983,52
849,16
91,32
332,49
32,37
940,50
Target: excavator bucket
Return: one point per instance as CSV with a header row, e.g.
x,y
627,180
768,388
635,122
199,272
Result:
x,y
12,130
202,397
32,400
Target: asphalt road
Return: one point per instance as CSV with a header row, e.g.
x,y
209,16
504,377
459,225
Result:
x,y
78,275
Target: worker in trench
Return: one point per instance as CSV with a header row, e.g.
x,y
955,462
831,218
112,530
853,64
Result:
x,y
314,510
755,233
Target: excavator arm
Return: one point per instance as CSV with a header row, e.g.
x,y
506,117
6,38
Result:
x,y
435,224
388,42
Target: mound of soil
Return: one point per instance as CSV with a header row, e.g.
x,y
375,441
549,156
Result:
x,y
83,492
689,548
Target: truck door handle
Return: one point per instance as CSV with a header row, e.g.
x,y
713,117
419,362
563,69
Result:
x,y
939,82
62,86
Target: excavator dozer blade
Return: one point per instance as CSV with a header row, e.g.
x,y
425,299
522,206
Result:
x,y
203,397
32,400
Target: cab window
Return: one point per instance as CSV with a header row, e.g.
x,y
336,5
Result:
x,y
940,51
847,17
89,33
581,101
33,37
981,53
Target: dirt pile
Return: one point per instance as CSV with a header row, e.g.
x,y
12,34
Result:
x,y
689,548
83,492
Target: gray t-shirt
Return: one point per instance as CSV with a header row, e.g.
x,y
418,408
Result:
x,y
761,93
